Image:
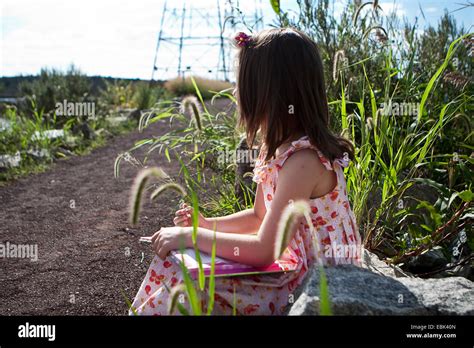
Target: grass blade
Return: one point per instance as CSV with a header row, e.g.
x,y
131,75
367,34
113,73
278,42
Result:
x,y
234,304
212,280
198,92
190,290
324,302
175,292
195,218
129,303
438,73
275,6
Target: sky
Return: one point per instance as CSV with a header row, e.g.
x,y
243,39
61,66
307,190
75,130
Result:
x,y
118,37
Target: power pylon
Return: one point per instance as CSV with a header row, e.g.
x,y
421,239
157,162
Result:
x,y
195,40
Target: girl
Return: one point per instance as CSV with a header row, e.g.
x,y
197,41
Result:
x,y
281,99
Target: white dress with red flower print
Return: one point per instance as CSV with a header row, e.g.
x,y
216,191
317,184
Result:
x,y
270,294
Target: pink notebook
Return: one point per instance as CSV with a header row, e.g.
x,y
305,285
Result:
x,y
223,267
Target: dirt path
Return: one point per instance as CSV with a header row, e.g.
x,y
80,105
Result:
x,y
83,262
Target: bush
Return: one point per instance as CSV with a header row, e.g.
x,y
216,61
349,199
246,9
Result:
x,y
146,96
117,94
54,86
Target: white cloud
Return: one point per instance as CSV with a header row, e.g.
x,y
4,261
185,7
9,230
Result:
x,y
393,7
101,37
431,9
106,37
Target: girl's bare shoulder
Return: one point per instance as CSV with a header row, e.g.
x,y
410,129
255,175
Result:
x,y
304,160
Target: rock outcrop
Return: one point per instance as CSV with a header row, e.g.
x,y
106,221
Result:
x,y
380,289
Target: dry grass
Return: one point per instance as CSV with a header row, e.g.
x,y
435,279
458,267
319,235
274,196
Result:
x,y
180,86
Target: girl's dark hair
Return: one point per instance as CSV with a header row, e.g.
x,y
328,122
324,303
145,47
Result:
x,y
281,90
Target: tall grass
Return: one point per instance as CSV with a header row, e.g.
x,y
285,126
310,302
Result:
x,y
372,59
390,152
193,294
200,137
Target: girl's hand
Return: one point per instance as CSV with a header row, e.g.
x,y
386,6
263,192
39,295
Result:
x,y
183,217
169,238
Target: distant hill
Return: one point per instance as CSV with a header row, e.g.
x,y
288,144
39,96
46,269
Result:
x,y
9,85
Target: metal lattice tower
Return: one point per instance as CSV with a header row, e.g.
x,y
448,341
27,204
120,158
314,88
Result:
x,y
195,40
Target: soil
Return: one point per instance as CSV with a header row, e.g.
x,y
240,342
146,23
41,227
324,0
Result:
x,y
76,213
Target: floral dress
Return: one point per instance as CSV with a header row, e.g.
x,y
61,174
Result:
x,y
270,294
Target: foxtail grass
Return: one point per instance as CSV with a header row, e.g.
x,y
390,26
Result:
x,y
138,188
191,105
286,225
169,186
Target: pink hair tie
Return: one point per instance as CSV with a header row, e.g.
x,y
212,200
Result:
x,y
242,39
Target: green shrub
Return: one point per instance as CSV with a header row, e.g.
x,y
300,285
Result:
x,y
146,96
116,94
54,86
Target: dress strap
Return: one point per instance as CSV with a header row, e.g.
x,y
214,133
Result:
x,y
304,143
261,166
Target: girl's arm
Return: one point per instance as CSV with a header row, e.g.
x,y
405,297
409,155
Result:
x,y
256,250
296,181
244,222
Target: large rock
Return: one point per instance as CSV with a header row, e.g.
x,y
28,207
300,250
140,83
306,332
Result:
x,y
379,289
427,261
